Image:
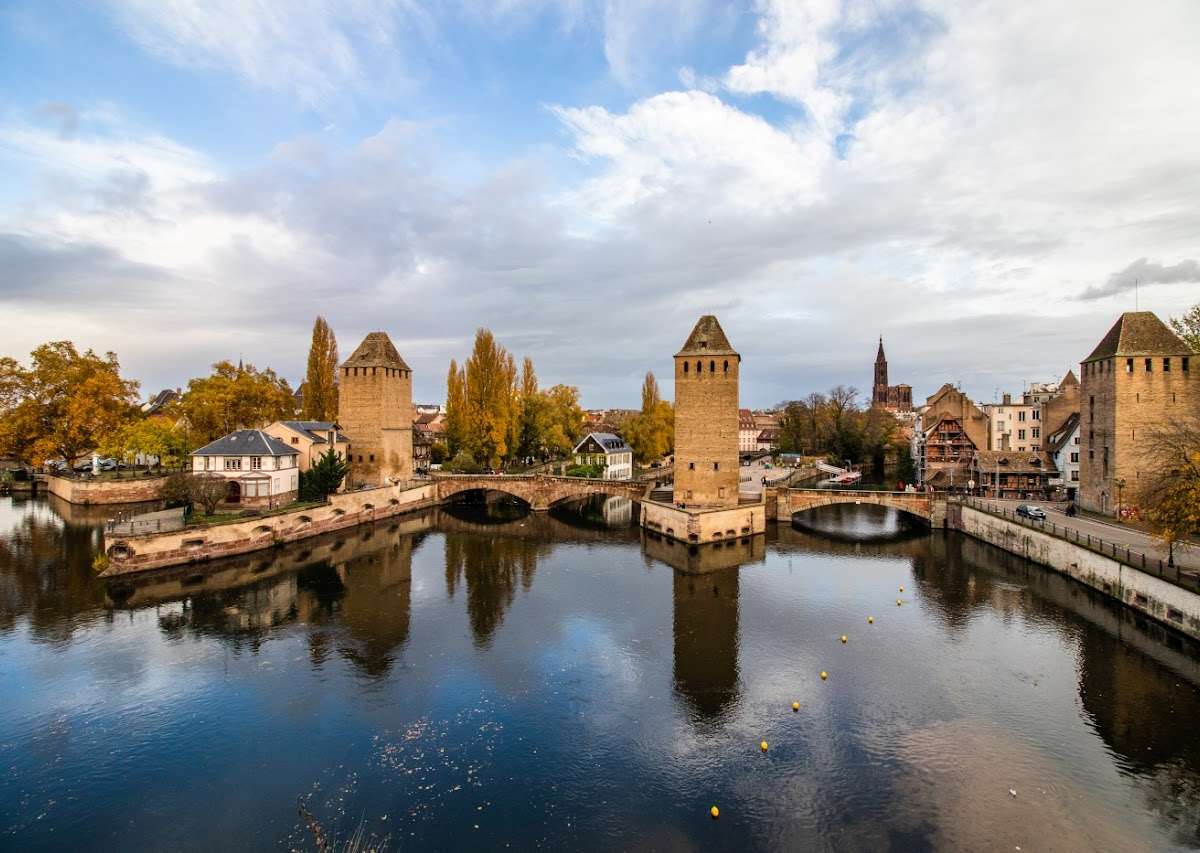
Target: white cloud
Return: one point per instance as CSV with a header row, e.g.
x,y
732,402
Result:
x,y
312,49
961,174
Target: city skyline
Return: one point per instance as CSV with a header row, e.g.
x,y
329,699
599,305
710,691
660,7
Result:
x,y
199,184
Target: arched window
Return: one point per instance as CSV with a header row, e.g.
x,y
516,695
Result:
x,y
699,367
685,367
726,365
712,367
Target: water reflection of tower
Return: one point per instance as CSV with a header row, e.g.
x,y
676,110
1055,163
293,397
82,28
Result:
x,y
367,598
706,640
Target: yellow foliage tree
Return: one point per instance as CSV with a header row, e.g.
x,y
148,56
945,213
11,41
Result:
x,y
1170,499
66,404
320,382
234,397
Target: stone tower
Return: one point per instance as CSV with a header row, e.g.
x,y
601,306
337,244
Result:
x,y
375,412
879,397
1139,377
706,418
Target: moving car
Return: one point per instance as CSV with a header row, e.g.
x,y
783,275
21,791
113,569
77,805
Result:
x,y
1031,511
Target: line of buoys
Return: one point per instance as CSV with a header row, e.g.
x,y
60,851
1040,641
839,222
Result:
x,y
902,589
763,746
898,602
845,639
824,675
715,812
870,620
795,706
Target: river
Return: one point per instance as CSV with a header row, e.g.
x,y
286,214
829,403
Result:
x,y
482,677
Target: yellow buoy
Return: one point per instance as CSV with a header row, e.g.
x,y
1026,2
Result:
x,y
763,746
715,812
824,675
902,589
897,602
845,639
795,706
870,620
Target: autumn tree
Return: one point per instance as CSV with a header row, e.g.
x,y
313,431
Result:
x,y
563,419
1170,496
320,382
234,397
481,403
651,432
66,404
156,436
1188,327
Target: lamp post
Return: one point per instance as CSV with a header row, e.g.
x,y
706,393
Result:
x,y
1120,486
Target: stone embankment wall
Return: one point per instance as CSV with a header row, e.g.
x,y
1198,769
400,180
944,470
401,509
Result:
x,y
137,553
706,525
1145,593
106,491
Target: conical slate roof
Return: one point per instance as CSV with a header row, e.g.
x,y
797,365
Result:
x,y
376,350
708,338
1139,333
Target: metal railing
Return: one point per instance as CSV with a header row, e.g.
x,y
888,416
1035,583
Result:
x,y
1136,558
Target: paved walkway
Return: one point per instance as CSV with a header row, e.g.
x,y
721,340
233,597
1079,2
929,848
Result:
x,y
1187,555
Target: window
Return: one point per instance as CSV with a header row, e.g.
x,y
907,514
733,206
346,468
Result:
x,y
370,457
712,367
1183,364
255,463
716,466
233,463
726,365
1021,416
1020,435
1149,361
699,367
1037,432
685,367
295,439
1166,365
1129,365
1075,475
691,466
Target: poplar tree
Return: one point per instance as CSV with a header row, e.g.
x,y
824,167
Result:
x,y
320,382
455,409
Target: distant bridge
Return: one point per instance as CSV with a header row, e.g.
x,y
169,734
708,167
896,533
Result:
x,y
785,502
538,490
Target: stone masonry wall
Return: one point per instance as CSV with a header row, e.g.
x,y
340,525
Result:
x,y
1145,593
375,413
707,525
706,431
1119,410
136,553
106,491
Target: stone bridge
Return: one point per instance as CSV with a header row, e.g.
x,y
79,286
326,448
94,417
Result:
x,y
783,503
540,491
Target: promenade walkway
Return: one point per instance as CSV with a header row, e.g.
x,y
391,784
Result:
x,y
1187,554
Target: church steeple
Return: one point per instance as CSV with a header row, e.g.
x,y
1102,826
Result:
x,y
879,394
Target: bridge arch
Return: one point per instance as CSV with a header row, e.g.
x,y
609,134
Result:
x,y
540,492
916,504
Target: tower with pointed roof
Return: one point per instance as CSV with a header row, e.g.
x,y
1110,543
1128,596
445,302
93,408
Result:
x,y
1140,377
375,412
706,418
879,395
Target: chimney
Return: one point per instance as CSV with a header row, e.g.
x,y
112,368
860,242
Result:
x,y
1008,399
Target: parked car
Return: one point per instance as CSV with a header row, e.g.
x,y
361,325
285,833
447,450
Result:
x,y
1031,511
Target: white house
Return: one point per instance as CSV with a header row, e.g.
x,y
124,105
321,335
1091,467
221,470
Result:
x,y
611,451
1063,445
748,431
260,470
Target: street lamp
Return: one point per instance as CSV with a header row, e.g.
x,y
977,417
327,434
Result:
x,y
1120,485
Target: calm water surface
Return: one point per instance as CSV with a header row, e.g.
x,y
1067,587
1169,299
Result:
x,y
483,678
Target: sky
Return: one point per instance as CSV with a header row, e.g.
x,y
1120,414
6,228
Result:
x,y
982,183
